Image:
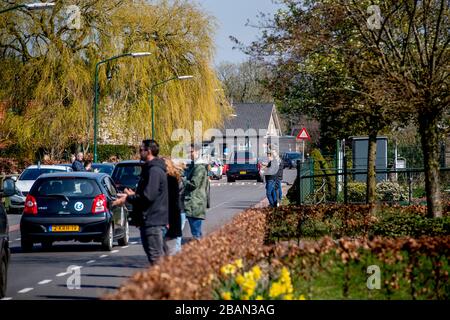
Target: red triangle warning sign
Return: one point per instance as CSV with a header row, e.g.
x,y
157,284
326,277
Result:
x,y
303,135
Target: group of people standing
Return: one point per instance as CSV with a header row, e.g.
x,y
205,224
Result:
x,y
273,174
167,194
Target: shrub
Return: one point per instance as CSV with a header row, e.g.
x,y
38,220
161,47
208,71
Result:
x,y
391,191
356,192
105,152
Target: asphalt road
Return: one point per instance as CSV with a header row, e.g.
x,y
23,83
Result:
x,y
46,275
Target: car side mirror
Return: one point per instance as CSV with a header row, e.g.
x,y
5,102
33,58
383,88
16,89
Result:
x,y
9,187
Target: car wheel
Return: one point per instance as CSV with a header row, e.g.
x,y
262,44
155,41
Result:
x,y
26,245
47,245
126,237
3,276
229,180
107,243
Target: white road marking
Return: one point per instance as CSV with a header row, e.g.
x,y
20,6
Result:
x,y
103,256
114,251
44,282
62,274
6,298
125,247
25,290
90,261
134,242
18,239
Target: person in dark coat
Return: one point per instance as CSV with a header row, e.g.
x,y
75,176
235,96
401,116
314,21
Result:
x,y
174,230
150,201
78,164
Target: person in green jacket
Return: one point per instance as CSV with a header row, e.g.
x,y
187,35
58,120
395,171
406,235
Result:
x,y
195,193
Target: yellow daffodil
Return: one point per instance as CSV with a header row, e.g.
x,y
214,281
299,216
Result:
x,y
240,279
259,298
228,269
238,263
256,270
226,295
301,297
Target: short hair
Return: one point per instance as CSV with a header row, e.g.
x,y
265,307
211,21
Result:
x,y
152,146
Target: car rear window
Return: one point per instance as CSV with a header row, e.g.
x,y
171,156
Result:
x,y
77,187
127,175
103,168
33,174
243,157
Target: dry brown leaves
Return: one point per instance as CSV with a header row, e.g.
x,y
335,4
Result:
x,y
188,275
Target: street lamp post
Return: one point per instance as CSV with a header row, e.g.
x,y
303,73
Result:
x,y
96,93
152,99
30,6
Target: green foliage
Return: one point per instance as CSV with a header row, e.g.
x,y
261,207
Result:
x,y
391,191
337,221
403,225
357,192
106,152
47,85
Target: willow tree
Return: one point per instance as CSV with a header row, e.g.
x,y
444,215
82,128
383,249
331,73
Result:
x,y
49,70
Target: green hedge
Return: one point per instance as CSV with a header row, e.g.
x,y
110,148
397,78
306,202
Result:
x,y
105,152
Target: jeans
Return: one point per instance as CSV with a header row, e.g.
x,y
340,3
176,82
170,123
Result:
x,y
279,191
153,242
196,227
271,193
178,244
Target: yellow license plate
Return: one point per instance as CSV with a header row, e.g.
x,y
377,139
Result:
x,y
243,172
65,228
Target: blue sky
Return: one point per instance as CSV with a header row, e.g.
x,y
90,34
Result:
x,y
231,17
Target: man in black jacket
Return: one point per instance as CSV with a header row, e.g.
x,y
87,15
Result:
x,y
150,201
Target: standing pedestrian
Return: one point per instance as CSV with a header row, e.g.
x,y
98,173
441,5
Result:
x,y
78,164
181,166
271,176
279,187
195,192
150,201
174,229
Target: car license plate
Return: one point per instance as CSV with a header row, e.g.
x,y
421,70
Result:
x,y
243,172
64,228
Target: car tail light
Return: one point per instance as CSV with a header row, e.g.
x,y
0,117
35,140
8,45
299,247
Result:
x,y
99,205
30,205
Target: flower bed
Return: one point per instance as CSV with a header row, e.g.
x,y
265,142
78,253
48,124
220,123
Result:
x,y
239,262
190,274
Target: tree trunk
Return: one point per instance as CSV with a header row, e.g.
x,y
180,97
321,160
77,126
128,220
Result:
x,y
371,167
430,145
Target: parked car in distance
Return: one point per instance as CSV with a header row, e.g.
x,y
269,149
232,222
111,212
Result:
x,y
107,168
15,203
126,174
31,173
73,206
8,189
243,165
290,159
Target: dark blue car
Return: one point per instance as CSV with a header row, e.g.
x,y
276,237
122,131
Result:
x,y
73,206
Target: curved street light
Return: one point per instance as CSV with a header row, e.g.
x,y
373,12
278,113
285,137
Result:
x,y
152,99
31,6
97,66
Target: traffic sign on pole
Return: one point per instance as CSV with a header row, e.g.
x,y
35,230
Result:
x,y
303,135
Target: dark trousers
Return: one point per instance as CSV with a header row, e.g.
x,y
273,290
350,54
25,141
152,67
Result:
x,y
153,242
271,192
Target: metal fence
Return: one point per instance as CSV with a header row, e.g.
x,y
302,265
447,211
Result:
x,y
403,186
